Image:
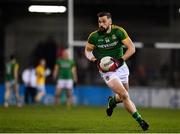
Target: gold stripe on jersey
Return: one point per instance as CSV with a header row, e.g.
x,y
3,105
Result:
x,y
91,34
121,29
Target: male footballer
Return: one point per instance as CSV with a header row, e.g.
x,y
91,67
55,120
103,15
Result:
x,y
11,81
66,73
109,40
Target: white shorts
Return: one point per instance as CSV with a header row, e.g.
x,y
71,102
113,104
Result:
x,y
122,73
63,83
41,88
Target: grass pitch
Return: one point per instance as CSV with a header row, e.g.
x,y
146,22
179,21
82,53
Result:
x,y
82,119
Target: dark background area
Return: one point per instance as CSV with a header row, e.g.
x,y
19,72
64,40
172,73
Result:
x,y
33,35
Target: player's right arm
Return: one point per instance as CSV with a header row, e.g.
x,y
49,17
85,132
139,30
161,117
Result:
x,y
89,52
55,71
16,70
90,46
74,72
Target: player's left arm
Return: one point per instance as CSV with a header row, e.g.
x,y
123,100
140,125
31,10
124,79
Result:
x,y
89,52
55,71
74,72
130,48
16,71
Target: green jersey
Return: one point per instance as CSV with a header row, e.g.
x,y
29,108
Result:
x,y
65,68
10,68
108,44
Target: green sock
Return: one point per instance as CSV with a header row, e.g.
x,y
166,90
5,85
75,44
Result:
x,y
137,117
114,99
113,102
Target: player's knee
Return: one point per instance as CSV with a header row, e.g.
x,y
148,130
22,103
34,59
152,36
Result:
x,y
118,98
125,96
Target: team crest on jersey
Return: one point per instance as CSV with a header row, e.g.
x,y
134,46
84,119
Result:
x,y
114,37
107,40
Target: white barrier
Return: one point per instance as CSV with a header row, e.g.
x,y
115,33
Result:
x,y
155,97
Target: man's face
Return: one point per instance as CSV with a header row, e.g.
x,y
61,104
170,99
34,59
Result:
x,y
104,23
65,54
43,62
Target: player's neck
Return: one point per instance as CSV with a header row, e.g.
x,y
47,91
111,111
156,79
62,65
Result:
x,y
109,30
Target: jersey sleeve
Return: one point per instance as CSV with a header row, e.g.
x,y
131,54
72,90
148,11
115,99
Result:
x,y
73,63
92,38
122,34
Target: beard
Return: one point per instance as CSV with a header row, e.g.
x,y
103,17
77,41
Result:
x,y
102,29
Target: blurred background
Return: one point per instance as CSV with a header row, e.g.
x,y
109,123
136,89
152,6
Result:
x,y
153,24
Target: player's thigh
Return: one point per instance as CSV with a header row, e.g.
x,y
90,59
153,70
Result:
x,y
41,90
123,74
58,91
8,85
116,85
126,86
113,80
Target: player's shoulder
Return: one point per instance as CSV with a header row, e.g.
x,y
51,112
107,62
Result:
x,y
119,28
37,68
120,31
93,34
59,61
71,61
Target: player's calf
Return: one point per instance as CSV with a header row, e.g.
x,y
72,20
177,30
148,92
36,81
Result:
x,y
144,125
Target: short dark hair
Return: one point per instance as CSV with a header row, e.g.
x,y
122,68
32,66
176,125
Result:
x,y
101,14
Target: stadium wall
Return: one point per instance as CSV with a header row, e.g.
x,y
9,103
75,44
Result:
x,y
97,96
